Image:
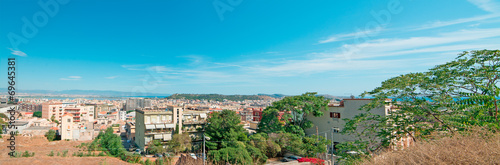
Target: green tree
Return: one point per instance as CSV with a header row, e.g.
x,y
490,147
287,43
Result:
x,y
51,135
179,143
224,129
156,147
295,111
448,98
37,114
227,139
270,122
52,118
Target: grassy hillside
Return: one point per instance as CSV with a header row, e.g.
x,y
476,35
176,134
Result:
x,y
473,147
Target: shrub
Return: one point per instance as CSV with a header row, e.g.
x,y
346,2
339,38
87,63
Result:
x,y
51,153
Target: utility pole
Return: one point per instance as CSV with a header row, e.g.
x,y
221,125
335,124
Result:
x,y
203,149
326,153
317,131
332,148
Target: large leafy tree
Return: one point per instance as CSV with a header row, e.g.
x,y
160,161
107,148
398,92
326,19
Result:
x,y
224,129
270,122
227,137
179,143
295,110
447,98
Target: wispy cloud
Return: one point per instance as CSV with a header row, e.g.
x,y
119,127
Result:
x,y
349,36
18,53
69,78
438,24
111,77
134,67
158,69
487,5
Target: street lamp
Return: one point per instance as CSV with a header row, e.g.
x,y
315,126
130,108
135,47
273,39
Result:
x,y
207,138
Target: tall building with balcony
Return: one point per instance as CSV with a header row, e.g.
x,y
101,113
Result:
x,y
52,109
154,124
193,123
160,124
57,110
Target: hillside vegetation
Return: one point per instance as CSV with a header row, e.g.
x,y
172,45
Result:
x,y
474,147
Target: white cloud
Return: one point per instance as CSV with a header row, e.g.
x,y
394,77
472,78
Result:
x,y
366,56
133,67
348,36
439,24
158,69
18,53
69,78
111,77
487,5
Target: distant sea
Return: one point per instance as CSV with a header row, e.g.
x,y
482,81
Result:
x,y
92,98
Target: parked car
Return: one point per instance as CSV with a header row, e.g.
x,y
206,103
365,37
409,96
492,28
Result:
x,y
290,158
137,151
193,155
167,154
294,157
158,155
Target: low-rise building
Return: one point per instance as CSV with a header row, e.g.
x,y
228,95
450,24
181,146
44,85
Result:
x,y
332,120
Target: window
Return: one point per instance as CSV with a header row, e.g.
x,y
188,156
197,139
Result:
x,y
334,115
69,120
336,129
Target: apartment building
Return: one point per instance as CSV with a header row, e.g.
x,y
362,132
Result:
x,y
193,123
130,131
134,103
153,124
332,120
52,109
30,107
57,110
160,124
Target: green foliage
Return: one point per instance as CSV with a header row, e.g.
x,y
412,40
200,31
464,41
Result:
x,y
179,143
155,147
448,98
225,129
270,122
214,97
314,145
295,110
37,114
28,154
3,116
148,162
236,154
52,118
51,135
51,153
65,153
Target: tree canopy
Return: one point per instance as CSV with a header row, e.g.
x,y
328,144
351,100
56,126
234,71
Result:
x,y
448,98
295,110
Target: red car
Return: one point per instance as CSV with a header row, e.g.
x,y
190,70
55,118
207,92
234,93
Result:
x,y
312,160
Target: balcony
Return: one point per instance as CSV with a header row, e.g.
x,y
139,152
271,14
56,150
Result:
x,y
187,122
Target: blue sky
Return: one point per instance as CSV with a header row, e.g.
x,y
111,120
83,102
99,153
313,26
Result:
x,y
237,47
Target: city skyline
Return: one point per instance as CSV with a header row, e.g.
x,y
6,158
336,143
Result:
x,y
336,48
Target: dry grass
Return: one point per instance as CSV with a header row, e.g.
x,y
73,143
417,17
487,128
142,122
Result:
x,y
42,148
475,147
